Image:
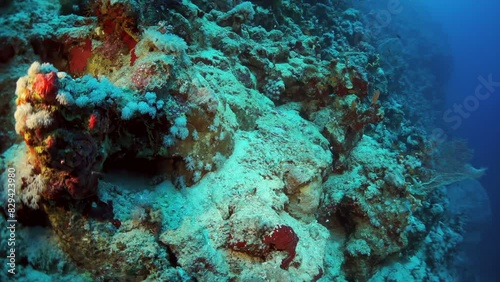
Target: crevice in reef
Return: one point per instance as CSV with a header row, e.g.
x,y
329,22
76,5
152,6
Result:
x,y
126,163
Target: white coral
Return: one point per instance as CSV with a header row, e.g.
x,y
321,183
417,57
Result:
x,y
34,69
167,43
65,98
21,84
39,119
21,114
31,194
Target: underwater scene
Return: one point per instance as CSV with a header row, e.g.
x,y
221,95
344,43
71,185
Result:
x,y
278,140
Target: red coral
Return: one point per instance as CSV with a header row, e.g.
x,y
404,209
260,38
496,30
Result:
x,y
236,246
92,121
283,238
133,57
73,186
46,85
79,56
50,142
359,84
116,223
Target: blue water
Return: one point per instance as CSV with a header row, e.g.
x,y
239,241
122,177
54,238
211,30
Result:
x,y
473,32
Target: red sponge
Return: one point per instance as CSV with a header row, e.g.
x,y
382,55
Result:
x,y
283,238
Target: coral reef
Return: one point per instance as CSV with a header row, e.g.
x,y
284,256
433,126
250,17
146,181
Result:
x,y
221,141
